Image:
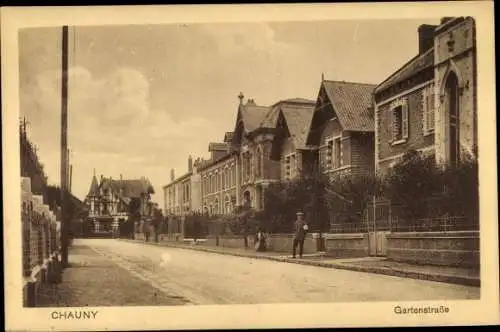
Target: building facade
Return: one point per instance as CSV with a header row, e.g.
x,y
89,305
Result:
x,y
342,129
111,201
429,104
290,141
218,184
267,148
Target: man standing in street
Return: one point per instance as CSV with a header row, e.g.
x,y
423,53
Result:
x,y
301,229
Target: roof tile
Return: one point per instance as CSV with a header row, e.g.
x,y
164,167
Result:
x,y
412,67
298,119
352,103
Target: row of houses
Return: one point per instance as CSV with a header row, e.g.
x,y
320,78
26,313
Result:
x,y
352,129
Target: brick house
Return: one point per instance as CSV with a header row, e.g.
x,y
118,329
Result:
x,y
342,128
429,104
289,144
265,155
218,179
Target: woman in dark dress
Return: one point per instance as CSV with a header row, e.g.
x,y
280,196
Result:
x,y
260,244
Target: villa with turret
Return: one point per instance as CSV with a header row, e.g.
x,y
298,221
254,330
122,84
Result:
x,y
111,201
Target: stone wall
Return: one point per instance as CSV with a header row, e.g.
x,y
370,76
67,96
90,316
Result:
x,y
275,242
284,243
435,248
346,245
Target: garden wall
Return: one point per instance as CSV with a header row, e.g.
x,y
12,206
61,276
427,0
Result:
x,y
459,248
275,242
346,245
284,243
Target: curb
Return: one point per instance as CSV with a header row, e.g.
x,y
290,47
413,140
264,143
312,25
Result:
x,y
466,281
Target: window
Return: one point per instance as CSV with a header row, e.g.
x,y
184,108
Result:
x,y
290,166
428,109
258,163
329,153
399,113
247,166
233,182
337,160
216,206
452,106
223,179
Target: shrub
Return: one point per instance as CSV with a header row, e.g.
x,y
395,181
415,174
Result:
x,y
284,199
350,195
424,190
460,187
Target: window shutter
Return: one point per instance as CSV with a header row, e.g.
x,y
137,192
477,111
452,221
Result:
x,y
392,125
346,152
431,111
404,121
425,110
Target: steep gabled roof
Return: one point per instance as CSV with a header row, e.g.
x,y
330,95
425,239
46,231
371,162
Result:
x,y
94,187
298,120
255,117
131,188
411,68
352,103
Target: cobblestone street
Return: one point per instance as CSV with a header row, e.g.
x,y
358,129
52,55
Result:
x,y
139,274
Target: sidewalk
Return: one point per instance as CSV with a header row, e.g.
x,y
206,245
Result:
x,y
95,280
379,265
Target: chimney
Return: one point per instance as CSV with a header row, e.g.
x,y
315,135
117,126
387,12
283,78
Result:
x,y
425,37
190,164
241,97
172,175
121,177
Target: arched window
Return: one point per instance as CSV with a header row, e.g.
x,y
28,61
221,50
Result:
x,y
217,206
258,163
452,101
247,199
233,175
227,204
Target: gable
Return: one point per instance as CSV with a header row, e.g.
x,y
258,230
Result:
x,y
322,113
282,133
238,129
352,102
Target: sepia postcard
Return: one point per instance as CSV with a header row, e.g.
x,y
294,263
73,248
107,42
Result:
x,y
249,166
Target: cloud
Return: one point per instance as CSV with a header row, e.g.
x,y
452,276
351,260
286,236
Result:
x,y
111,126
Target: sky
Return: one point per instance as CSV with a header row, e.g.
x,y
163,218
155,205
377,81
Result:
x,y
142,98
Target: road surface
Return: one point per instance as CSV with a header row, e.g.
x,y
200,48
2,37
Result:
x,y
209,278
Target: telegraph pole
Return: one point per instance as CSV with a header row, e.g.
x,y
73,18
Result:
x,y
64,148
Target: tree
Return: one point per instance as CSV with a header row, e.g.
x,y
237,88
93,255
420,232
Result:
x,y
157,222
460,188
304,194
350,194
410,181
134,207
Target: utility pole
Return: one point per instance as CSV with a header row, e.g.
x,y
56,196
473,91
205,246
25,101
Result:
x,y
64,148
